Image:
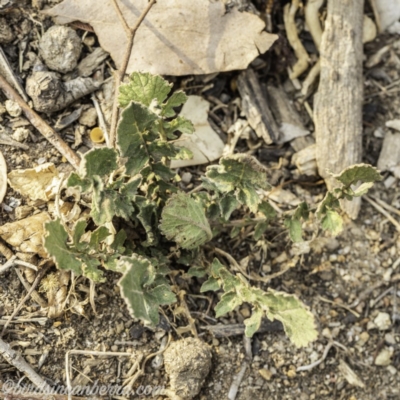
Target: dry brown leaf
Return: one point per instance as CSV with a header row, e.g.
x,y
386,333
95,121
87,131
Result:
x,y
178,37
39,183
3,177
26,235
204,142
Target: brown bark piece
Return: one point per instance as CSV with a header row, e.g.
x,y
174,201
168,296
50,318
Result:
x,y
255,107
338,103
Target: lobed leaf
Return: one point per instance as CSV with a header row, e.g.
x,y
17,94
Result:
x,y
141,297
144,88
359,172
185,222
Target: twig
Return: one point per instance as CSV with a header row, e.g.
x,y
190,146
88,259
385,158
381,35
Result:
x,y
356,314
102,123
237,380
319,361
289,13
40,320
8,264
35,295
384,212
119,75
46,130
15,359
30,291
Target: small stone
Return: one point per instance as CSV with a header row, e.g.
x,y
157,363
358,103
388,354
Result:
x,y
114,348
13,108
245,311
21,134
88,117
392,369
383,358
6,33
389,339
187,362
60,47
266,374
364,337
382,321
186,177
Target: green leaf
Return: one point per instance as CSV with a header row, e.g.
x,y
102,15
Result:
x,y
228,204
144,88
211,284
359,172
75,180
295,231
302,211
141,298
253,323
241,174
297,320
55,243
134,134
362,189
266,208
183,154
147,216
184,221
229,301
98,236
330,202
98,162
176,100
179,124
259,229
332,222
198,272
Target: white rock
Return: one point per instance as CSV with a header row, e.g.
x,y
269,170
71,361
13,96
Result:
x,y
383,358
89,117
13,108
21,134
382,321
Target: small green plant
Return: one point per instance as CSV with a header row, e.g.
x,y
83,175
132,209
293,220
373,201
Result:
x,y
142,225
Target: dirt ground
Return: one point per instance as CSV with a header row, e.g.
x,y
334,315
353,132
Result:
x,y
351,282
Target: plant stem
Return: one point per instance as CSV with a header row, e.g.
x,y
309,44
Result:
x,y
119,75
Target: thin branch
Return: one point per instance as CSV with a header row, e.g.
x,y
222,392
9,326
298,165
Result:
x,y
15,359
46,130
28,295
119,75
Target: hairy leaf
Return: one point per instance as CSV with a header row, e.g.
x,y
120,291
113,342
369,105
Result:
x,y
240,174
134,134
55,243
296,318
185,222
332,222
138,291
144,88
99,162
359,172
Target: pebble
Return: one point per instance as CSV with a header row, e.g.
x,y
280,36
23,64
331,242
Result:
x,y
382,321
21,134
384,356
266,374
186,177
13,108
60,47
389,339
364,337
88,117
6,33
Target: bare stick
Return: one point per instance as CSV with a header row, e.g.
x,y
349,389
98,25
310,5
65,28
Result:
x,y
22,302
46,130
35,295
15,359
119,75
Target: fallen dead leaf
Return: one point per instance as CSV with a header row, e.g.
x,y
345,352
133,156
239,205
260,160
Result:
x,y
204,142
178,37
26,235
39,183
3,177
